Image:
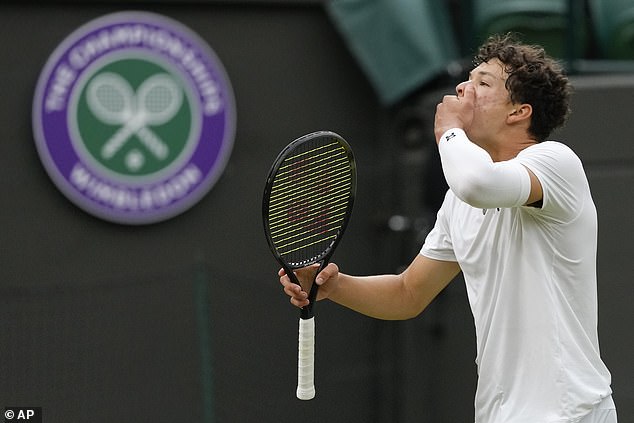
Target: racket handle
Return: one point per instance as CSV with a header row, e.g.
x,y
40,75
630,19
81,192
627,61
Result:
x,y
306,360
115,143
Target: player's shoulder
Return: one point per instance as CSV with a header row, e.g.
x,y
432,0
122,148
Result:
x,y
555,147
550,152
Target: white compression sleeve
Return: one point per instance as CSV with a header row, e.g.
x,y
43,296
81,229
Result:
x,y
476,179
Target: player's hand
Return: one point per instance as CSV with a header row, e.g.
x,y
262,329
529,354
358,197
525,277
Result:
x,y
327,280
298,294
455,111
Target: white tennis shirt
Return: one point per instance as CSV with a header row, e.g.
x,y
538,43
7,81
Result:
x,y
530,275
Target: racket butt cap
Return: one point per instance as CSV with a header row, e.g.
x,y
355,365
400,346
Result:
x,y
306,393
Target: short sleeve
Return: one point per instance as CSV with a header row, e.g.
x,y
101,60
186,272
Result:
x,y
438,245
562,177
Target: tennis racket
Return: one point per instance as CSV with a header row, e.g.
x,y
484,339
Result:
x,y
306,207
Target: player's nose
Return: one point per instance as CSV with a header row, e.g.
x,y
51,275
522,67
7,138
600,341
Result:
x,y
461,87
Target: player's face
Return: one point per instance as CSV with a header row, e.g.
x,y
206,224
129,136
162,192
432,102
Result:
x,y
492,101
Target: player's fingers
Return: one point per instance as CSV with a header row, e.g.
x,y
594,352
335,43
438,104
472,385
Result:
x,y
299,303
298,297
285,280
468,98
328,272
449,98
306,275
294,290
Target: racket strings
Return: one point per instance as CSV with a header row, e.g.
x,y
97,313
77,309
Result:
x,y
316,196
314,178
317,161
309,201
314,151
159,99
301,176
321,227
111,99
278,222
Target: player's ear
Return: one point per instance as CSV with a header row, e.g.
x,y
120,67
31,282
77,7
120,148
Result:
x,y
519,112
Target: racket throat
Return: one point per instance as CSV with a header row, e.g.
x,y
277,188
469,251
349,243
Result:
x,y
306,313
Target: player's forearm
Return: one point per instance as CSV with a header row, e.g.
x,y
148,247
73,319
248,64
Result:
x,y
476,179
383,296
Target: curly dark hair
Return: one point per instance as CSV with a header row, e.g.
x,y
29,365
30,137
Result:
x,y
533,78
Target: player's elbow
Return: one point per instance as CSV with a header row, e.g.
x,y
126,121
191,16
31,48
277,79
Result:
x,y
413,303
407,311
473,190
414,312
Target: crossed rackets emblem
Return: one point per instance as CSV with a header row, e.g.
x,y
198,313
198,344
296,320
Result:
x,y
113,101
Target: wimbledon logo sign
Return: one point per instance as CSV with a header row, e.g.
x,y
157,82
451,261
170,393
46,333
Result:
x,y
134,118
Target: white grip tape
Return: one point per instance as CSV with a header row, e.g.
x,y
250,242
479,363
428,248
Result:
x,y
306,360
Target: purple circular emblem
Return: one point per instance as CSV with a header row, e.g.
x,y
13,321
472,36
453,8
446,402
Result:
x,y
134,117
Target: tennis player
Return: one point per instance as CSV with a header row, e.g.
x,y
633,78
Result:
x,y
519,222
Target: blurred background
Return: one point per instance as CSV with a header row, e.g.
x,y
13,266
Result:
x,y
184,320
